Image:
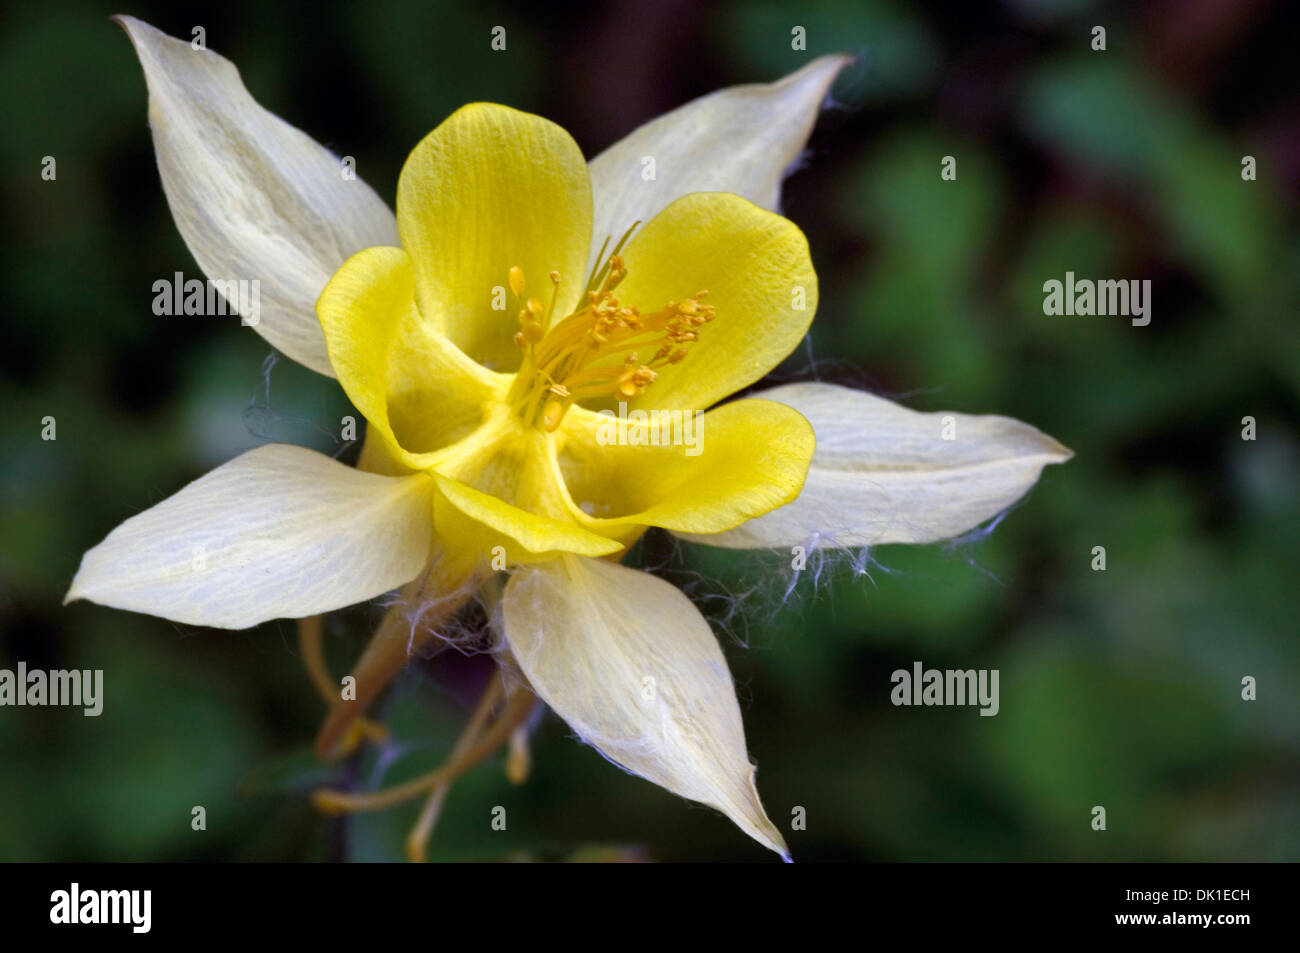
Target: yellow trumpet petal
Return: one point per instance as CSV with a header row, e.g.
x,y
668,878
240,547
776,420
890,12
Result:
x,y
692,473
419,392
476,521
760,283
490,190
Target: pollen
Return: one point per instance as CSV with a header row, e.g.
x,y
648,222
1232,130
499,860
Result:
x,y
597,351
533,318
517,281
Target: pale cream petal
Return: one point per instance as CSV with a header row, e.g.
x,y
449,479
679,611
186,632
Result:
x,y
882,473
632,666
741,139
279,532
253,197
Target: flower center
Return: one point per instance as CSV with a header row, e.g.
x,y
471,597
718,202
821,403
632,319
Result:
x,y
597,350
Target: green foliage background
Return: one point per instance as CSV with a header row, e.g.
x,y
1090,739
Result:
x,y
1118,688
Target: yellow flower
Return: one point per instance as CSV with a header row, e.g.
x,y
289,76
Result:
x,y
487,332
494,209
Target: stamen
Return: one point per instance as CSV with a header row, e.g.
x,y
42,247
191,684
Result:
x,y
594,351
600,257
555,294
598,273
532,322
552,414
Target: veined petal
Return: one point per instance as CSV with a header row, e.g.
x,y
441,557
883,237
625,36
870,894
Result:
x,y
632,666
760,279
253,197
742,139
419,392
410,383
279,532
704,473
490,189
885,474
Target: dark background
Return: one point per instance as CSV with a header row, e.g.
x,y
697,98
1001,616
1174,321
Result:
x,y
1119,688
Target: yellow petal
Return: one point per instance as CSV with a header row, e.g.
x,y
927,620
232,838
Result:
x,y
279,532
417,390
742,140
253,197
501,489
631,665
756,269
490,189
727,466
885,474
470,521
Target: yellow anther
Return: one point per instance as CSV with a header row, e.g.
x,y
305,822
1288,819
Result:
x,y
552,414
516,280
592,352
635,379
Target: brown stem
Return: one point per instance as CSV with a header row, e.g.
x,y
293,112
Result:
x,y
313,656
517,710
417,841
450,583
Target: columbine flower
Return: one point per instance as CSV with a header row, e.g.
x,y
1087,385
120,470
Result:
x,y
517,293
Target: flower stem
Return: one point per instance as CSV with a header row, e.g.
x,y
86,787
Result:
x,y
518,708
417,841
312,649
446,587
313,656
